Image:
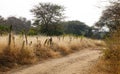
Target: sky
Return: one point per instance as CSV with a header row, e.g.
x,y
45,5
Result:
x,y
87,11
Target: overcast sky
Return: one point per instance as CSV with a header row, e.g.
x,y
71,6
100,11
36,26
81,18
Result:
x,y
87,11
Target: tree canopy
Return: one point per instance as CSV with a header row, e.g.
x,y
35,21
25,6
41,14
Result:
x,y
110,16
48,15
76,28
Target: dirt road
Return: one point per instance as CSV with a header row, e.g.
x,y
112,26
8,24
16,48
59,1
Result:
x,y
76,63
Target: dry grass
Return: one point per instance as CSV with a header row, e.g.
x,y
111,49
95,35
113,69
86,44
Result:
x,y
105,67
110,61
28,50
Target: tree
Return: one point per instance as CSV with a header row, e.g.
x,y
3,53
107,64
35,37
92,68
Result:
x,y
47,15
32,31
75,27
3,26
19,24
110,16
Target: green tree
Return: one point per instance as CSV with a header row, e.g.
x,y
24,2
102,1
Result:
x,y
48,16
32,31
75,27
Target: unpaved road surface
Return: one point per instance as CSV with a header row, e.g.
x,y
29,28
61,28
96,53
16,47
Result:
x,y
76,63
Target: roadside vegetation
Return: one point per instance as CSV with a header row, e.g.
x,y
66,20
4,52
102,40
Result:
x,y
22,50
110,61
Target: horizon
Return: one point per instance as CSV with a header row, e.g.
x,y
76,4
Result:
x,y
84,11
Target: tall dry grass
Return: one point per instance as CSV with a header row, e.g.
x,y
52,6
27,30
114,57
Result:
x,y
110,61
31,49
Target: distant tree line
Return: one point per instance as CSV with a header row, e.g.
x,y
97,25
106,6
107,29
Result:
x,y
21,25
18,24
49,20
76,28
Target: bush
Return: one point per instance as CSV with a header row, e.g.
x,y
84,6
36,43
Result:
x,y
32,32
